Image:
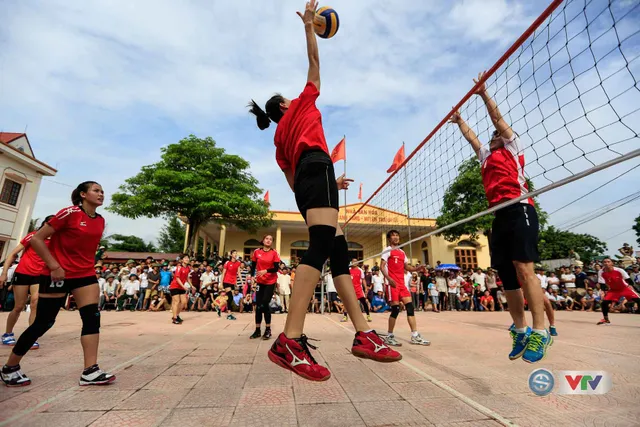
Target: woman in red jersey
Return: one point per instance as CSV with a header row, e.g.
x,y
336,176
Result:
x,y
303,156
265,262
178,289
25,282
75,233
230,275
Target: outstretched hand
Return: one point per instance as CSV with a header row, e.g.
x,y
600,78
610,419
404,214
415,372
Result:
x,y
483,87
343,183
455,117
309,12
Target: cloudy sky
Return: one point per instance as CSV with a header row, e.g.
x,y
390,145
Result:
x,y
101,86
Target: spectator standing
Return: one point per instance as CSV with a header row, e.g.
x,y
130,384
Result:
x,y
284,288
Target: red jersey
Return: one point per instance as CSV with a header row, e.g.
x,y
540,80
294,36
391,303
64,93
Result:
x,y
231,275
75,242
300,129
30,263
503,172
181,273
614,279
264,260
395,259
356,276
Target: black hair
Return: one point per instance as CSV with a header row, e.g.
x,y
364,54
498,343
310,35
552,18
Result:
x,y
46,220
390,232
272,113
83,187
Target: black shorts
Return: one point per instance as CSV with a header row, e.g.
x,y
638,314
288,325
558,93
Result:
x,y
231,286
264,293
47,286
174,292
20,279
514,237
314,183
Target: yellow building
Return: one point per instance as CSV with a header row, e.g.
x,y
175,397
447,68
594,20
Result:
x,y
366,234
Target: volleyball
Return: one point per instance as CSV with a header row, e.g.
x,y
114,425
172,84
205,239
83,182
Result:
x,y
326,22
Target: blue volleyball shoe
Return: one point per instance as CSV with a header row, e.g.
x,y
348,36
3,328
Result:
x,y
537,347
520,341
552,331
512,327
8,339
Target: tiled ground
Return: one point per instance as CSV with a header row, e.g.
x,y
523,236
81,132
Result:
x,y
207,372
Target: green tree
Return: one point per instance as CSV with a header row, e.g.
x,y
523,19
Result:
x,y
465,197
33,224
636,227
171,239
554,244
199,181
120,242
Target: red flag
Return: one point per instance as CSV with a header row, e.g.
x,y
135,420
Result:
x,y
397,160
339,152
266,197
360,193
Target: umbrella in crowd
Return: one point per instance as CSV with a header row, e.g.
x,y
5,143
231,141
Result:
x,y
447,267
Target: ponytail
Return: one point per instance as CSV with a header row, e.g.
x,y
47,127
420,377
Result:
x,y
272,113
83,187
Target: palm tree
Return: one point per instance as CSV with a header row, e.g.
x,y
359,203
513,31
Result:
x,y
33,224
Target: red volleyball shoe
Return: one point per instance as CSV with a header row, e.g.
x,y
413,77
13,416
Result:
x,y
294,354
369,345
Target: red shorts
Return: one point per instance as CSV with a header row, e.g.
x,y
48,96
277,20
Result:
x,y
399,292
359,291
628,293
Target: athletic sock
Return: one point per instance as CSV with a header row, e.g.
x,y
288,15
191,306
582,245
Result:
x,y
6,369
390,334
540,331
366,332
90,369
520,330
414,334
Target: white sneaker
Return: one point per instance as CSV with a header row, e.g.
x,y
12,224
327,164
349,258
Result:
x,y
418,340
15,378
391,340
96,377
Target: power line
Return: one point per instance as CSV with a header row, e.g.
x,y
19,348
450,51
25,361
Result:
x,y
595,189
582,216
621,233
600,214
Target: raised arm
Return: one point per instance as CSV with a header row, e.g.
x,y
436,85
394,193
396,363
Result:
x,y
312,42
467,132
492,108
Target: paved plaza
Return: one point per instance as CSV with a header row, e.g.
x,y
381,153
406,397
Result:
x,y
206,372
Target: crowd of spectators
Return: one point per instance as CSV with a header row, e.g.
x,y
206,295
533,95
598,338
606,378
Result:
x,y
143,285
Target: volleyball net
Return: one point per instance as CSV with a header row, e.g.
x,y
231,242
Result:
x,y
569,87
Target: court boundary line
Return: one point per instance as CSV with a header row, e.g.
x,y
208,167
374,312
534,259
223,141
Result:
x,y
116,368
455,393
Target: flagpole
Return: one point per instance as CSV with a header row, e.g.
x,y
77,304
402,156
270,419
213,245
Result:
x,y
406,188
345,191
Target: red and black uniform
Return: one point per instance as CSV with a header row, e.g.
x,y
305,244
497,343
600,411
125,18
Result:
x,y
30,265
182,273
618,289
514,235
357,276
301,147
73,246
396,259
270,261
231,275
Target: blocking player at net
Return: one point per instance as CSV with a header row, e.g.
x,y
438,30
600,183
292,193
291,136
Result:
x,y
618,284
393,265
514,236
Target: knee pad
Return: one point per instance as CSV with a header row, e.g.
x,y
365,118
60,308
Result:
x,y
395,311
339,257
90,316
320,246
410,309
48,309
